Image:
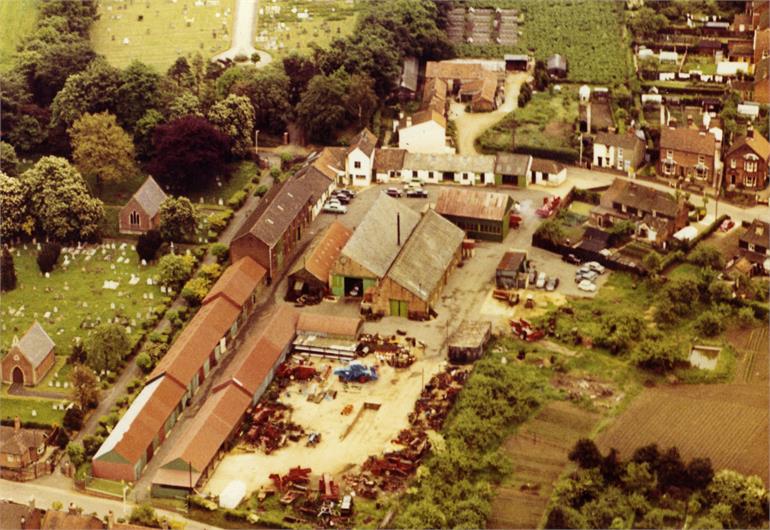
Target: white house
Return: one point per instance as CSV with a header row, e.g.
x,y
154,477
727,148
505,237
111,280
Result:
x,y
621,152
388,163
437,168
425,132
546,172
359,159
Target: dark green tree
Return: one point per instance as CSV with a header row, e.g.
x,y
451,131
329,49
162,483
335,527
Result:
x,y
7,271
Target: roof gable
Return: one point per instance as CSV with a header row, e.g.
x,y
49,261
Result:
x,y
238,281
150,196
365,141
319,260
756,143
688,140
35,345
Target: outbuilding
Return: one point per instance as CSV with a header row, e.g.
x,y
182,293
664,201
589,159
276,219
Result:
x,y
29,358
512,169
547,172
557,66
142,212
310,276
481,214
468,341
511,272
516,62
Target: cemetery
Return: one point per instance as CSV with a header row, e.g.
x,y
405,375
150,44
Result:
x,y
159,31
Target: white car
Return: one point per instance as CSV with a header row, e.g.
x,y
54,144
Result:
x,y
595,266
335,207
587,285
540,283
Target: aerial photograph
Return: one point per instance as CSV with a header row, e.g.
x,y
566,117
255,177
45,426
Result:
x,y
384,264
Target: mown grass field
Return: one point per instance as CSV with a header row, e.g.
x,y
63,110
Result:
x,y
17,19
280,30
167,29
23,407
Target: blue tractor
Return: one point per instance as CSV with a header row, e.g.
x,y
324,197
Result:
x,y
356,372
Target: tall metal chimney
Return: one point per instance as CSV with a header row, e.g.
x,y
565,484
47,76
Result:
x,y
398,228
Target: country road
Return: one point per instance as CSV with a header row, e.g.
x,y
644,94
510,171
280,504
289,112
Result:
x,y
243,34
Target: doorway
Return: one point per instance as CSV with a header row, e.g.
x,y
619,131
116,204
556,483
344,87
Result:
x,y
17,375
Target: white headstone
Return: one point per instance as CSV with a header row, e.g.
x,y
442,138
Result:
x,y
144,263
47,274
33,413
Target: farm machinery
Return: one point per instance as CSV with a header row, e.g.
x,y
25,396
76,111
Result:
x,y
356,372
550,205
524,330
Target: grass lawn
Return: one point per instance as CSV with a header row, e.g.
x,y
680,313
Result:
x,y
705,65
71,301
241,174
684,270
156,32
280,30
18,20
581,208
10,407
546,122
110,487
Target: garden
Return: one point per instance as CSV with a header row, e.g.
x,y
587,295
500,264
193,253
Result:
x,y
286,26
158,31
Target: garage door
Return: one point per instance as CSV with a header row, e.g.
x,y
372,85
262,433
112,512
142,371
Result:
x,y
399,308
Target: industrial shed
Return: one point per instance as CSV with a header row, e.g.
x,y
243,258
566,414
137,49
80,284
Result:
x,y
468,341
310,277
327,336
370,251
511,272
482,214
512,169
414,282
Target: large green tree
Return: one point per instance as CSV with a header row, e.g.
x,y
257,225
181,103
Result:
x,y
234,116
106,347
175,270
361,99
16,219
85,387
177,219
102,150
138,93
61,202
93,90
268,90
321,111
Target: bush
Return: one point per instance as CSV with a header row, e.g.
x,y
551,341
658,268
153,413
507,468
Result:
x,y
76,454
48,256
144,362
195,290
210,272
709,324
73,418
217,222
746,317
275,173
220,251
148,244
62,439
707,256
144,515
261,190
175,270
237,199
91,444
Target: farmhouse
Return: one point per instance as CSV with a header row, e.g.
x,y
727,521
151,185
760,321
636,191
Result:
x,y
548,172
414,281
388,164
212,429
29,359
142,212
455,74
436,168
746,162
687,153
424,132
754,243
511,272
556,66
311,276
20,449
655,214
513,169
370,251
359,159
621,152
481,214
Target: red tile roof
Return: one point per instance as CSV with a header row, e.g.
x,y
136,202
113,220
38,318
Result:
x,y
319,259
757,143
688,140
238,282
196,342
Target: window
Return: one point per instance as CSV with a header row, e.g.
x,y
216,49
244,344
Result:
x,y
670,154
430,174
732,163
701,160
620,152
133,218
357,164
465,176
414,174
751,166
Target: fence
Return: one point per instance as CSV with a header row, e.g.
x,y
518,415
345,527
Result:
x,y
585,255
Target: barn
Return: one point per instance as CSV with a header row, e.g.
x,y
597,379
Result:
x,y
310,276
482,214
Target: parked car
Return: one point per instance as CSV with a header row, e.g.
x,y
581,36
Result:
x,y
727,225
349,193
417,192
571,258
586,285
585,274
393,192
344,198
335,207
552,283
595,266
540,280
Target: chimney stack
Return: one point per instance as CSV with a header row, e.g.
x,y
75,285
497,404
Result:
x,y
31,503
110,520
398,229
72,509
750,131
16,424
408,121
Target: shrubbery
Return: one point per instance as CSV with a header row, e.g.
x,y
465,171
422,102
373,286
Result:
x,y
48,256
148,244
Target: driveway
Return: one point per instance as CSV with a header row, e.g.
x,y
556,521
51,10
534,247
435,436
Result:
x,y
243,33
470,125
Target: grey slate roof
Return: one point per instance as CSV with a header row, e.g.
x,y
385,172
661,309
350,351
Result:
x,y
150,196
512,164
35,344
450,162
409,73
626,141
374,243
426,256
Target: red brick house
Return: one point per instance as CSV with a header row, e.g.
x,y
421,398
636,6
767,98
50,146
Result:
x,y
686,153
28,359
746,163
754,244
19,447
142,212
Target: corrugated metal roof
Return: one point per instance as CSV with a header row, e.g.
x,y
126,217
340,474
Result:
x,y
426,256
320,258
238,281
512,260
373,244
35,344
473,204
315,323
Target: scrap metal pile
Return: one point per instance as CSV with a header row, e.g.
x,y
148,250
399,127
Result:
x,y
390,471
324,505
396,353
271,427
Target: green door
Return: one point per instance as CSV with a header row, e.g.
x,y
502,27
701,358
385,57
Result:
x,y
399,308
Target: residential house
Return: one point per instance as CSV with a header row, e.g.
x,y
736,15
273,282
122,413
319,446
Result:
x,y
546,172
688,153
761,84
359,159
414,282
656,214
436,168
511,272
620,152
512,169
424,132
388,164
142,212
374,245
556,66
747,161
740,52
481,214
30,358
754,244
20,449
331,162
14,515
310,276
